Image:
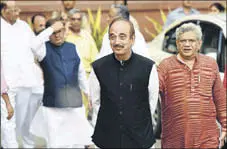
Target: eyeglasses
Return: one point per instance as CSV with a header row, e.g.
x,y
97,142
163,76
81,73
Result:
x,y
190,41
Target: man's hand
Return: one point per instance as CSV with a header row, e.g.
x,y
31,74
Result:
x,y
222,139
57,26
10,111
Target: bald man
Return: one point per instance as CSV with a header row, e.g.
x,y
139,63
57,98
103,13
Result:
x,y
38,23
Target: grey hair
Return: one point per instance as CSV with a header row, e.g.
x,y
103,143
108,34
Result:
x,y
74,11
187,27
132,29
122,11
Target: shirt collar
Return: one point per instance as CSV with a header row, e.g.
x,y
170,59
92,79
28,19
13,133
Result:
x,y
181,10
57,48
5,22
125,62
71,33
182,61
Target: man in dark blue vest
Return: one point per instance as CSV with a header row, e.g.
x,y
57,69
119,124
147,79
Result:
x,y
124,93
62,113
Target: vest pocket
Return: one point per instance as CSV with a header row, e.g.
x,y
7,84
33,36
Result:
x,y
141,122
136,87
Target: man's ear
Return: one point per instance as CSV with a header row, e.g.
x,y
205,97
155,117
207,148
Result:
x,y
3,11
177,42
133,39
200,42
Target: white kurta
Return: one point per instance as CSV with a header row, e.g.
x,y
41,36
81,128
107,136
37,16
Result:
x,y
62,127
17,43
23,76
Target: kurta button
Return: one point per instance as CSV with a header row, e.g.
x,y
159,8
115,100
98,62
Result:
x,y
120,112
121,69
121,97
121,83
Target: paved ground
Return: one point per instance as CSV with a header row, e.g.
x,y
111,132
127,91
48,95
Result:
x,y
40,143
158,143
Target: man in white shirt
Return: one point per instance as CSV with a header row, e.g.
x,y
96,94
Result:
x,y
23,76
139,47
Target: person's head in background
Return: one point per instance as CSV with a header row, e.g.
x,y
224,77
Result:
x,y
68,4
2,6
121,2
116,11
38,23
75,18
9,11
187,4
216,8
58,37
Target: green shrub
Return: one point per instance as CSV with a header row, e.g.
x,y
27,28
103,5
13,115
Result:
x,y
157,26
95,23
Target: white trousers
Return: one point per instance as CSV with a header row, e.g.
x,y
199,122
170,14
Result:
x,y
8,127
69,146
27,103
62,127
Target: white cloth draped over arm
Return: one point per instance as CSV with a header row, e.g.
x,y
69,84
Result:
x,y
40,52
94,96
153,89
82,80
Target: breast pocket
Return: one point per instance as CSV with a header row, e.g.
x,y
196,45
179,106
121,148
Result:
x,y
206,83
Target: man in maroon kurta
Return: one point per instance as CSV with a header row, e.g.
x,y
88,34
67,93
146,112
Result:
x,y
192,93
224,82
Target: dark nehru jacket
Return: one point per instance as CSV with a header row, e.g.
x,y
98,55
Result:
x,y
60,68
124,117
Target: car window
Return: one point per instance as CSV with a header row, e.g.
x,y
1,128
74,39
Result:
x,y
221,59
210,39
170,42
214,44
